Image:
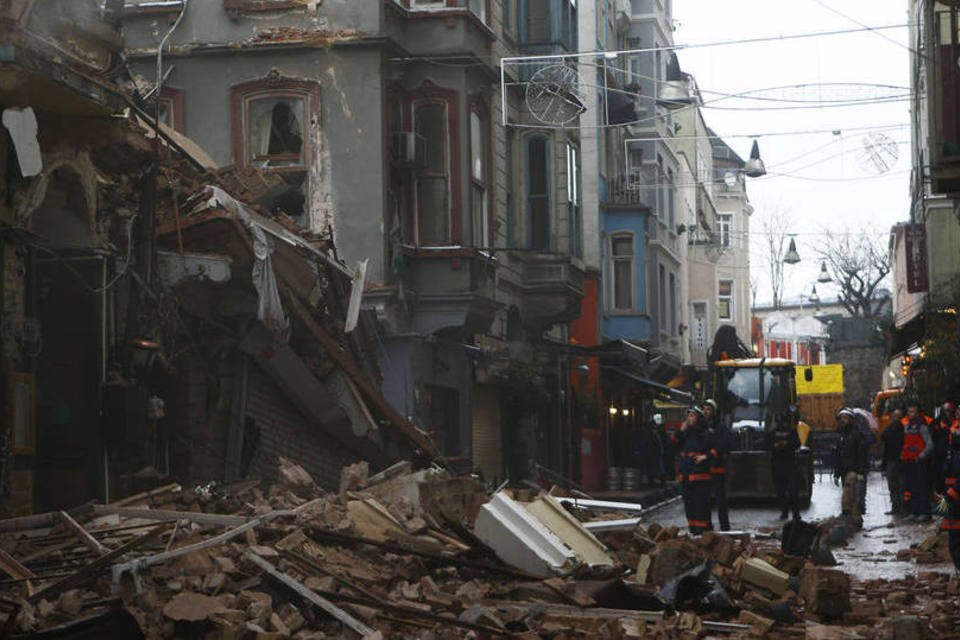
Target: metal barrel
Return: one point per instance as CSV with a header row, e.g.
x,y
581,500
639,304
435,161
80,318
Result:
x,y
614,478
631,478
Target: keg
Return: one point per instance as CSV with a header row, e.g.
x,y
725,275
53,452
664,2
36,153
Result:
x,y
631,478
614,478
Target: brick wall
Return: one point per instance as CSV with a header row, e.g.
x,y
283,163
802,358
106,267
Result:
x,y
284,431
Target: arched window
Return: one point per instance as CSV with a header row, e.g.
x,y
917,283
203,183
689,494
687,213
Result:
x,y
273,122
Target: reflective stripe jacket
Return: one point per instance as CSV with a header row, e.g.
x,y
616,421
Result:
x,y
695,442
951,469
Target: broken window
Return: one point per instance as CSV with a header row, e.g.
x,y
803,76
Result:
x,y
275,132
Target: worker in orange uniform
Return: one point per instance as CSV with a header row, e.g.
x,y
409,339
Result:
x,y
695,446
917,449
951,520
720,433
940,433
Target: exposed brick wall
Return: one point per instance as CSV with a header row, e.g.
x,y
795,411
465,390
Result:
x,y
284,431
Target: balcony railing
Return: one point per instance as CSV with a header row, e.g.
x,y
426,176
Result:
x,y
631,190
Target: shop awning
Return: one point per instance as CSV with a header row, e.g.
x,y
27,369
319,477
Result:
x,y
908,336
661,391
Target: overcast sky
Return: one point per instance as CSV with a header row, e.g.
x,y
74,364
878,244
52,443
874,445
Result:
x,y
829,185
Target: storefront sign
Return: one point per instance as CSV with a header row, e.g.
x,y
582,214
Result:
x,y
915,236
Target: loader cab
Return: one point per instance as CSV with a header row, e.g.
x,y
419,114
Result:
x,y
752,394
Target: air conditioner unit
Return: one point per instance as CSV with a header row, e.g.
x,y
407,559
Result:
x,y
409,149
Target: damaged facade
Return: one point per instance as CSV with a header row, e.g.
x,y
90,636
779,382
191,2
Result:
x,y
156,320
383,120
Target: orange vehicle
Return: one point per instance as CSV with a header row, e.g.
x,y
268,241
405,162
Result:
x,y
883,404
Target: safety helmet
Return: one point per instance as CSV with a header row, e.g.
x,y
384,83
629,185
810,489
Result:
x,y
697,410
949,406
846,411
710,402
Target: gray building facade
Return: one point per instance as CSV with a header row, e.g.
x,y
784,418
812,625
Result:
x,y
382,122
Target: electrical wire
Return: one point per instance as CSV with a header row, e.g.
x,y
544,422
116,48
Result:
x,y
867,27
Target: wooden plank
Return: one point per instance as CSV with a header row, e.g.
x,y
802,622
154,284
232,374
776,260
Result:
x,y
89,571
345,618
370,391
215,541
13,568
88,540
39,520
162,515
146,495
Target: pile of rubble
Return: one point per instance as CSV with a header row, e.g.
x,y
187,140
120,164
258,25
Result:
x,y
422,554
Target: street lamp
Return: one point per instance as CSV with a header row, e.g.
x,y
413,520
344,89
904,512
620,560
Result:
x,y
824,276
754,167
792,256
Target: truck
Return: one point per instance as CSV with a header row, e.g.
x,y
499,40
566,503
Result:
x,y
752,395
820,395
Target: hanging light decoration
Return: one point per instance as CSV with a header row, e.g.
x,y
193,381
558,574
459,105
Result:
x,y
814,298
754,167
792,256
674,93
824,276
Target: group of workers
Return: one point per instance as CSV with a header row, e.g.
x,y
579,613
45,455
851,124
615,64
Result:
x,y
704,442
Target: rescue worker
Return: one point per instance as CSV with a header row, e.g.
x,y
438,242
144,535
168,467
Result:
x,y
718,464
951,520
940,433
783,443
892,440
851,461
695,444
917,449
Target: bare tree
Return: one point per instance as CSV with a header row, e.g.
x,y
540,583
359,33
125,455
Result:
x,y
775,231
858,262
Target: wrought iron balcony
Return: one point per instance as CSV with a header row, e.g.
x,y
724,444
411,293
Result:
x,y
636,189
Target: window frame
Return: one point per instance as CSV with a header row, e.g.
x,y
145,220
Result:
x,y
574,199
438,6
725,229
309,91
728,297
547,196
612,261
479,109
173,98
426,93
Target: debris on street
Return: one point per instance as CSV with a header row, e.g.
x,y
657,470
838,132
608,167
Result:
x,y
423,554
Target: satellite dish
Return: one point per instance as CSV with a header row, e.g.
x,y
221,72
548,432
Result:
x,y
878,154
553,95
730,179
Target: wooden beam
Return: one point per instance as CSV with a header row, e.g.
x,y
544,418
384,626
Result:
x,y
146,495
88,540
345,618
162,515
92,569
360,379
13,568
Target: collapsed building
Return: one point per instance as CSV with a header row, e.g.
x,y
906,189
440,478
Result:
x,y
157,321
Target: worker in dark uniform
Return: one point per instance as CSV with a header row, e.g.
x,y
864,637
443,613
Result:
x,y
695,445
940,434
851,461
783,443
914,457
892,439
718,463
951,520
